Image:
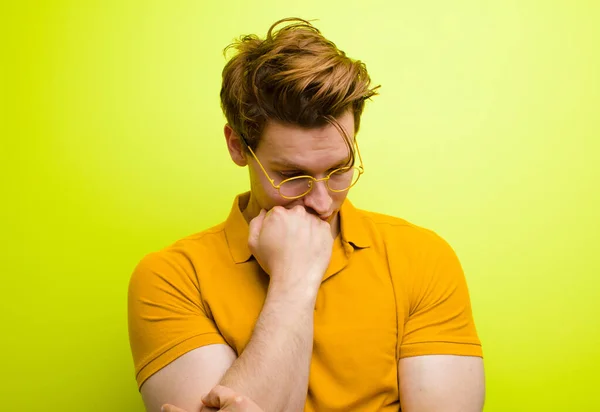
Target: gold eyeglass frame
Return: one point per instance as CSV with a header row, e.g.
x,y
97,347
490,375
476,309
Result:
x,y
312,180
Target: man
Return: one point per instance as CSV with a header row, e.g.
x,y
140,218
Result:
x,y
299,301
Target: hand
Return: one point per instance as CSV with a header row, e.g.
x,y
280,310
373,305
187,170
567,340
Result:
x,y
292,246
223,398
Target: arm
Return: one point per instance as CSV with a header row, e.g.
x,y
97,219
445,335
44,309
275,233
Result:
x,y
294,247
441,365
223,399
186,379
272,370
441,383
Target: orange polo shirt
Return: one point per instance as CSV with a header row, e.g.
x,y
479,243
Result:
x,y
392,290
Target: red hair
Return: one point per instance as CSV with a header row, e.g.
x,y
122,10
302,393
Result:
x,y
295,76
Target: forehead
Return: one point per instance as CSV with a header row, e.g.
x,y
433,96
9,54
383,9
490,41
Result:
x,y
310,148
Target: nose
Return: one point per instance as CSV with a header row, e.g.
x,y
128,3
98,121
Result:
x,y
319,198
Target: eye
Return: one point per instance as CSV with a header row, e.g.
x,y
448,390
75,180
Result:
x,y
288,174
341,169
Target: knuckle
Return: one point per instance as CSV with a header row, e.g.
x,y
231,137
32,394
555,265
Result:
x,y
276,209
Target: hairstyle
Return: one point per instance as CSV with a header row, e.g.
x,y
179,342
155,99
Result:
x,y
295,76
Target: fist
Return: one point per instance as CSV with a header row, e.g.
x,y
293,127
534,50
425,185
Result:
x,y
292,246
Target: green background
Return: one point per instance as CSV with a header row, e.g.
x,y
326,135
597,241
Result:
x,y
486,131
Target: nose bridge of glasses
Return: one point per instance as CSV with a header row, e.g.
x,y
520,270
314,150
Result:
x,y
325,180
312,184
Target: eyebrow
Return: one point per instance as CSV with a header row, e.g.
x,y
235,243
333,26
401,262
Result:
x,y
293,166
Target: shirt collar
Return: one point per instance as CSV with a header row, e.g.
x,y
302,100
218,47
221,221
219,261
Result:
x,y
353,228
237,229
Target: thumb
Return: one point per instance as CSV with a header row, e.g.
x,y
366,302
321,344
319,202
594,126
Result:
x,y
254,228
218,397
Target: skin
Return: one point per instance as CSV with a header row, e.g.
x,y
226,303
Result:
x,y
223,399
293,242
313,151
294,247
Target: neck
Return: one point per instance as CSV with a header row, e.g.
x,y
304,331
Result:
x,y
251,209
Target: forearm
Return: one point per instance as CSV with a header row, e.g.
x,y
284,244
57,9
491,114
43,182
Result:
x,y
273,369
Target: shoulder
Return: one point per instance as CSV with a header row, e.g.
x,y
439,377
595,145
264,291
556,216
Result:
x,y
182,257
420,260
400,233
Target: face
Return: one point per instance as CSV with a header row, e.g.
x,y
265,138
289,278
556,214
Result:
x,y
286,151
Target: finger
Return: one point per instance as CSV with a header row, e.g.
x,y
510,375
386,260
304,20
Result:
x,y
235,404
171,408
299,208
241,403
276,209
218,396
254,228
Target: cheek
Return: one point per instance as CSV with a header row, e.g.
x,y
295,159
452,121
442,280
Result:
x,y
266,193
338,199
277,200
260,184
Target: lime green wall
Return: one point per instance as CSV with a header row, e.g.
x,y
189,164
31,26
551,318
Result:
x,y
486,131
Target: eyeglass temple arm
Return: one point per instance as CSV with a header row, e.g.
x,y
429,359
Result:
x,y
272,181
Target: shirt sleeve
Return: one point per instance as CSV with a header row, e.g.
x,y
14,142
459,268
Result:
x,y
166,315
440,319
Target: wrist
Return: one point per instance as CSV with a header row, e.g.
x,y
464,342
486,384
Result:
x,y
298,294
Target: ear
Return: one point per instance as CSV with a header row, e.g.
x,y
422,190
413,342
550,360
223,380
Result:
x,y
235,147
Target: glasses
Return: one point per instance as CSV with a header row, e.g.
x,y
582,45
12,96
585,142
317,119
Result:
x,y
338,180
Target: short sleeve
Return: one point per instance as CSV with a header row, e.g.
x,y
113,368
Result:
x,y
166,316
440,319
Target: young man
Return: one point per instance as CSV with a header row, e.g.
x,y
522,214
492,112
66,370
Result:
x,y
299,301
